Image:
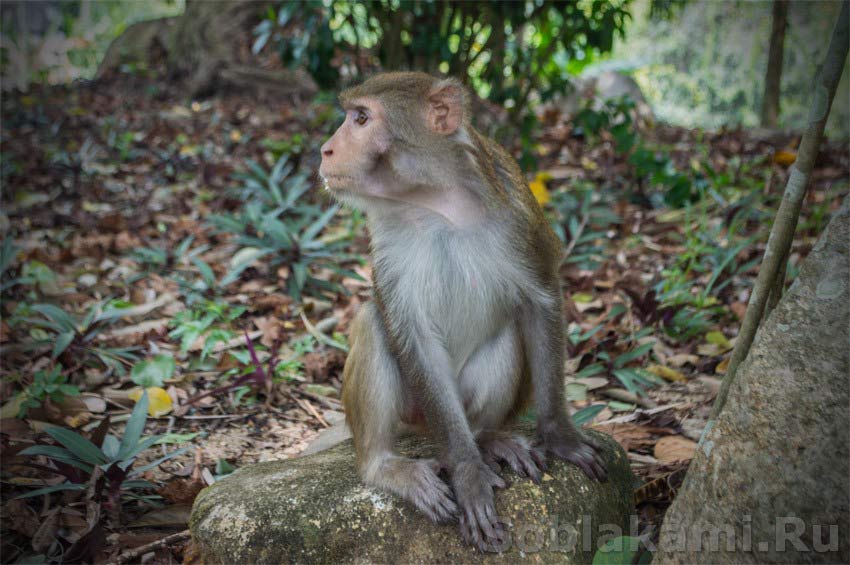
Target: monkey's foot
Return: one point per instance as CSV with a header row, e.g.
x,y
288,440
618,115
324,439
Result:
x,y
428,492
580,450
473,483
524,459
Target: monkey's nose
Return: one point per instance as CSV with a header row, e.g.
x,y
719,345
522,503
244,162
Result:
x,y
326,150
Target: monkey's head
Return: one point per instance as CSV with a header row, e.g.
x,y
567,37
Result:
x,y
403,133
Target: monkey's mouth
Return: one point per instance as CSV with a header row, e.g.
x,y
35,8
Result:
x,y
332,182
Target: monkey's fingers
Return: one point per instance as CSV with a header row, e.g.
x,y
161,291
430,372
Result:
x,y
495,480
523,458
431,495
599,465
539,457
481,527
523,463
584,457
437,506
492,463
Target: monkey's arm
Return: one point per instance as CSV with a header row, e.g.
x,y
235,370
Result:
x,y
425,365
543,338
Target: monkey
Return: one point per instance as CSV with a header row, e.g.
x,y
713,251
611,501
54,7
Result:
x,y
465,326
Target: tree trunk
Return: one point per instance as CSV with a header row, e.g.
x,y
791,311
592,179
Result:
x,y
205,47
773,78
782,231
775,465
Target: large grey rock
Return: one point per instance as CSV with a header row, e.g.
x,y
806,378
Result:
x,y
778,457
314,509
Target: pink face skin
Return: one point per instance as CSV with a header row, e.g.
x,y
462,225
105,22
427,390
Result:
x,y
349,155
351,164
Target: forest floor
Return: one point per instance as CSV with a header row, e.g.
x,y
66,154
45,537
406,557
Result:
x,y
142,248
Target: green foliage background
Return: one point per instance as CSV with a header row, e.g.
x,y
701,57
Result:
x,y
699,63
705,67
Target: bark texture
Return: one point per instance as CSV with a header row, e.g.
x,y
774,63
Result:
x,y
782,231
314,509
205,47
778,457
773,77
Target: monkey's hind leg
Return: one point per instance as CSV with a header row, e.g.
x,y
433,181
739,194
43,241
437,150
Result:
x,y
373,401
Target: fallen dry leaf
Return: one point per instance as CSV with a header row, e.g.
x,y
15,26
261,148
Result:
x,y
667,373
159,402
272,329
681,359
785,158
674,448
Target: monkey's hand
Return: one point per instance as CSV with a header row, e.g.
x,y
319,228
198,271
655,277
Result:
x,y
473,483
566,442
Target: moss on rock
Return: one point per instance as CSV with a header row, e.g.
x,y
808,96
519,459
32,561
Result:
x,y
315,509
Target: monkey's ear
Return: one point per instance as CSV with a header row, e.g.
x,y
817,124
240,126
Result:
x,y
445,108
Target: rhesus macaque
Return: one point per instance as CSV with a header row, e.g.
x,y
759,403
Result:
x,y
466,319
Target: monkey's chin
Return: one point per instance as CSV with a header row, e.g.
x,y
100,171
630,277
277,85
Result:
x,y
337,183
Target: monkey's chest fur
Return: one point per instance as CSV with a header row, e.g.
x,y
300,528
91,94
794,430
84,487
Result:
x,y
459,287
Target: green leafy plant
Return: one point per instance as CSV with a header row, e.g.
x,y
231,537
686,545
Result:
x,y
252,377
614,116
194,323
613,355
76,457
583,216
47,383
652,168
153,372
622,550
704,270
274,224
8,252
511,52
74,338
164,260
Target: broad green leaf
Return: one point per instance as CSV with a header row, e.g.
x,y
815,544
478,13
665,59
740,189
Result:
x,y
589,371
111,446
618,551
587,414
311,232
181,249
63,340
621,360
56,314
632,380
78,445
144,444
206,271
617,406
582,297
717,338
7,254
576,391
160,461
57,453
153,372
54,488
137,483
172,437
135,427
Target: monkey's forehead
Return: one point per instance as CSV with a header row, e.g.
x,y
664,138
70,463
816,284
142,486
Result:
x,y
404,85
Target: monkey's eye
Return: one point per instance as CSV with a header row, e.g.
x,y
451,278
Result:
x,y
361,118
